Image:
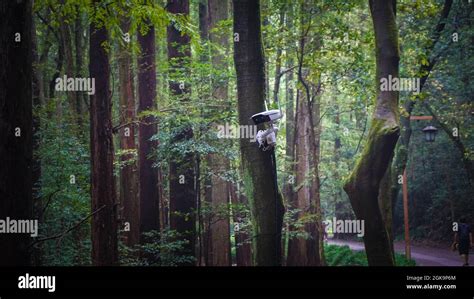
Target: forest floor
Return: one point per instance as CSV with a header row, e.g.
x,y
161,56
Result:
x,y
422,254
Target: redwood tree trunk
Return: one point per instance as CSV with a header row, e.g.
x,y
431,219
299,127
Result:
x,y
182,172
266,208
363,185
298,247
103,196
149,192
75,110
15,113
129,198
218,164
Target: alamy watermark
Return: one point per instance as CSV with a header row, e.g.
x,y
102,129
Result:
x,y
14,226
338,226
237,131
75,84
400,84
28,281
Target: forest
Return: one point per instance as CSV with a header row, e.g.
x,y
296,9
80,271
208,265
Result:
x,y
235,132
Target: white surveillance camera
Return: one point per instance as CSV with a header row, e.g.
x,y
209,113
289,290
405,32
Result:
x,y
267,138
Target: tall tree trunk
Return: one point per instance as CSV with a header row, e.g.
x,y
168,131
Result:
x,y
316,227
288,182
79,59
363,185
15,126
148,175
65,32
182,171
265,201
338,204
129,196
243,253
299,248
276,86
220,225
103,196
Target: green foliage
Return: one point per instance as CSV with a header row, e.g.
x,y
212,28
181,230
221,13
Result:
x,y
344,256
64,197
159,249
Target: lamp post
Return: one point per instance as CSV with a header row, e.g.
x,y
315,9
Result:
x,y
430,133
430,136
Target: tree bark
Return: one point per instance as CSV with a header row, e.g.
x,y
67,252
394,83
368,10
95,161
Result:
x,y
363,185
103,196
148,175
182,170
243,253
265,201
288,182
75,111
218,164
276,86
79,60
129,190
301,249
16,113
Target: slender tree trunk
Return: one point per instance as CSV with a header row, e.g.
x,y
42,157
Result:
x,y
182,171
79,59
243,253
15,126
363,185
276,87
65,32
265,201
104,222
129,195
289,181
220,225
316,228
338,204
148,175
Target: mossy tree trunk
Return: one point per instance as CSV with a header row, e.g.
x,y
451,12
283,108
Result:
x,y
266,208
363,185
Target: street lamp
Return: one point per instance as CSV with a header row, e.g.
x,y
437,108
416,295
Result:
x,y
430,133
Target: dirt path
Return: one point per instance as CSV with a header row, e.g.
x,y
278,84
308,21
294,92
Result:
x,y
424,256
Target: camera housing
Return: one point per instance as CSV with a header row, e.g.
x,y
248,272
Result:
x,y
266,139
266,116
